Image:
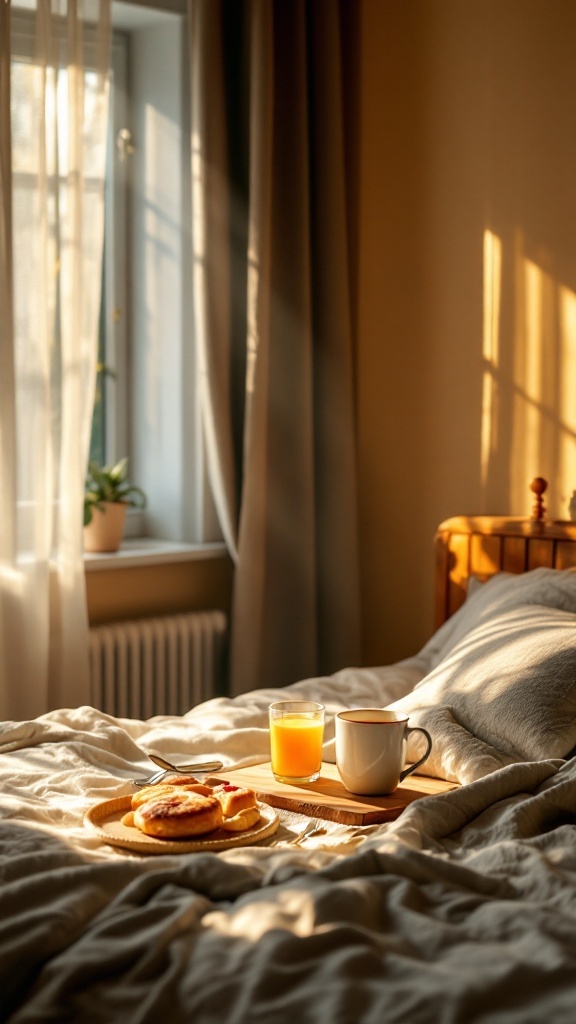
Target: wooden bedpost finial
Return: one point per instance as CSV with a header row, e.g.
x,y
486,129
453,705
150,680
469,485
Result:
x,y
538,486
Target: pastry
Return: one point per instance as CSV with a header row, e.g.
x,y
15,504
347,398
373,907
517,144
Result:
x,y
178,815
234,798
186,785
184,808
183,780
241,821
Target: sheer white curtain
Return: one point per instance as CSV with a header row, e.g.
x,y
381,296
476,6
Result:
x,y
54,57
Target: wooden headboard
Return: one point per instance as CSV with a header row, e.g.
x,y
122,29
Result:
x,y
483,545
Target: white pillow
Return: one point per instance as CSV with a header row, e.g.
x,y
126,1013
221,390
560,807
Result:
x,y
504,692
475,584
554,588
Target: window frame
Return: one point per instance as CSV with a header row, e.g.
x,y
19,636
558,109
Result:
x,y
115,300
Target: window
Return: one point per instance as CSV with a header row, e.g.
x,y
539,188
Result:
x,y
147,407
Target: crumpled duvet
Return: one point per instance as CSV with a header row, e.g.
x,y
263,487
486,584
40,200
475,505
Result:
x,y
463,910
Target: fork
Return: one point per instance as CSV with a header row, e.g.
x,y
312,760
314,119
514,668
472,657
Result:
x,y
182,769
310,829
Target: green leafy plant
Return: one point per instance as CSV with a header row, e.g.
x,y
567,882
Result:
x,y
109,483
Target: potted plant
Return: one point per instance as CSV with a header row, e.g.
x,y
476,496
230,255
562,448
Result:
x,y
107,495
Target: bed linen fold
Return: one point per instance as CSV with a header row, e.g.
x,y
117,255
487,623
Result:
x,y
431,919
461,911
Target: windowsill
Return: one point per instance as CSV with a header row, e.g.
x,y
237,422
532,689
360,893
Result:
x,y
137,551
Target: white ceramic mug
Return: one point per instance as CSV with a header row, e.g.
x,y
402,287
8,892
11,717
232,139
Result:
x,y
371,750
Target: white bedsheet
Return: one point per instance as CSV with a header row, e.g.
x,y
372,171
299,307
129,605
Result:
x,y
462,910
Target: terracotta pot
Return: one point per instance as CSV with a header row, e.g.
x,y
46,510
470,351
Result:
x,y
104,531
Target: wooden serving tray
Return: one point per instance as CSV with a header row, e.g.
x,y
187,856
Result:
x,y
327,797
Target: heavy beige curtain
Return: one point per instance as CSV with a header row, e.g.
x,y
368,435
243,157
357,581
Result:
x,y
53,112
271,292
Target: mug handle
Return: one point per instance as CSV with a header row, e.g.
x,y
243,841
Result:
x,y
413,767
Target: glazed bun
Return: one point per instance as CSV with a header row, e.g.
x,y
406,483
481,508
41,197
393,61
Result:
x,y
241,821
186,785
183,780
184,808
179,815
234,799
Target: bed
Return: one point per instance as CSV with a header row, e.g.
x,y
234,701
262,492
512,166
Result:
x,y
461,910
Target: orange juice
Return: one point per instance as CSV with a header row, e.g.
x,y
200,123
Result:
x,y
296,746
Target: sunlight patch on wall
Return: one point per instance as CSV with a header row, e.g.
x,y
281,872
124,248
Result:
x,y
567,406
544,386
490,350
528,422
528,391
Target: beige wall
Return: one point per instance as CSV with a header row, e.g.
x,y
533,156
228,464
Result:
x,y
118,594
466,277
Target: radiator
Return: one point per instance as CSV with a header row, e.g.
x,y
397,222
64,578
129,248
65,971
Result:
x,y
157,666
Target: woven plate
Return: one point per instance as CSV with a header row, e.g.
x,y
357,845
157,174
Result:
x,y
105,820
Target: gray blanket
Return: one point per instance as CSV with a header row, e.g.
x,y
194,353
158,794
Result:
x,y
461,911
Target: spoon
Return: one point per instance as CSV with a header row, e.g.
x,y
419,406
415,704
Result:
x,y
183,769
151,780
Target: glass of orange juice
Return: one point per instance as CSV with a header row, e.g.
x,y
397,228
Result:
x,y
296,733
